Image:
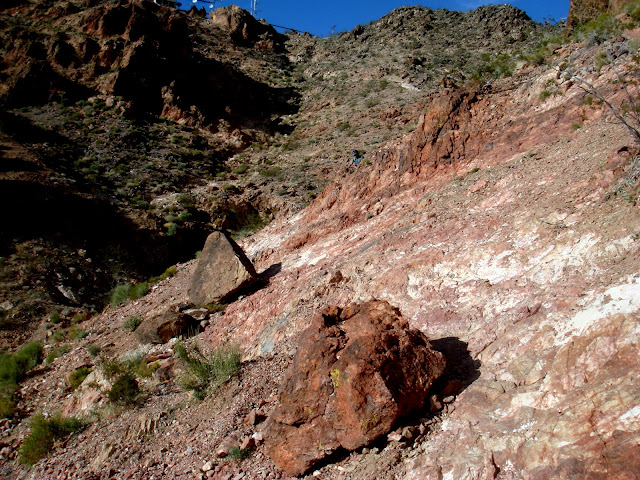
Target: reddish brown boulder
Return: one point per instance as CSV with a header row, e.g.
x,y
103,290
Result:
x,y
358,370
164,326
222,269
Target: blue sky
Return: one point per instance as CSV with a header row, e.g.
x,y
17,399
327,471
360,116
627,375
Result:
x,y
320,17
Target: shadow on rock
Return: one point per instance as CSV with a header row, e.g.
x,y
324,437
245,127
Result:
x,y
461,370
260,282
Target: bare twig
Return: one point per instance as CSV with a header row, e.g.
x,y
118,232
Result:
x,y
590,89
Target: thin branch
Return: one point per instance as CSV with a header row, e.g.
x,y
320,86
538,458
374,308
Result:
x,y
589,88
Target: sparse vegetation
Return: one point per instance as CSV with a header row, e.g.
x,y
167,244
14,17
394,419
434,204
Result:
x,y
43,435
57,352
238,454
132,322
78,376
207,372
13,369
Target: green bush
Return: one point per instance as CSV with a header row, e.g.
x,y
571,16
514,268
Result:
x,y
93,349
125,390
132,323
57,352
207,371
169,272
238,454
120,294
44,433
139,290
78,376
75,333
13,369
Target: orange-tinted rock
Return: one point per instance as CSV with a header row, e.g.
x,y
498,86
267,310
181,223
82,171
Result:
x,y
243,28
358,370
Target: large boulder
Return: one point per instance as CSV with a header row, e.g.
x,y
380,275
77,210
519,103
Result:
x,y
164,326
357,371
222,269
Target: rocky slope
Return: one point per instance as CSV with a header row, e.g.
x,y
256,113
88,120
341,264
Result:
x,y
500,228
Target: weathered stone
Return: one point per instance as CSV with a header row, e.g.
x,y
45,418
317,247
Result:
x,y
254,418
243,28
357,371
222,269
163,327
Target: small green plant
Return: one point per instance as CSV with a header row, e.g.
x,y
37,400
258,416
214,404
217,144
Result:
x,y
207,371
120,294
93,349
238,454
576,126
139,290
125,390
172,228
75,333
132,322
13,369
241,169
168,273
544,95
43,435
54,317
57,352
77,377
59,335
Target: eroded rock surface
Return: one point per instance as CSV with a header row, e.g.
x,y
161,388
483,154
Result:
x,y
222,269
357,371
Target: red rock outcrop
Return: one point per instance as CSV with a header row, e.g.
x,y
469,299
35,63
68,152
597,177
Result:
x,y
147,54
357,371
245,29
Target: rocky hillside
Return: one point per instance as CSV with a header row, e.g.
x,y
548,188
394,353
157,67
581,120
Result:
x,y
168,124
490,236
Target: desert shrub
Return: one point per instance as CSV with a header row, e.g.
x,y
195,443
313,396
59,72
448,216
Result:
x,y
544,95
57,352
75,333
54,317
172,228
600,29
271,172
132,322
238,454
241,169
93,349
125,390
44,433
77,376
207,371
13,369
139,290
120,294
169,272
59,335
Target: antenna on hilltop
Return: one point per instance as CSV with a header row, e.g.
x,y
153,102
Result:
x,y
254,7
